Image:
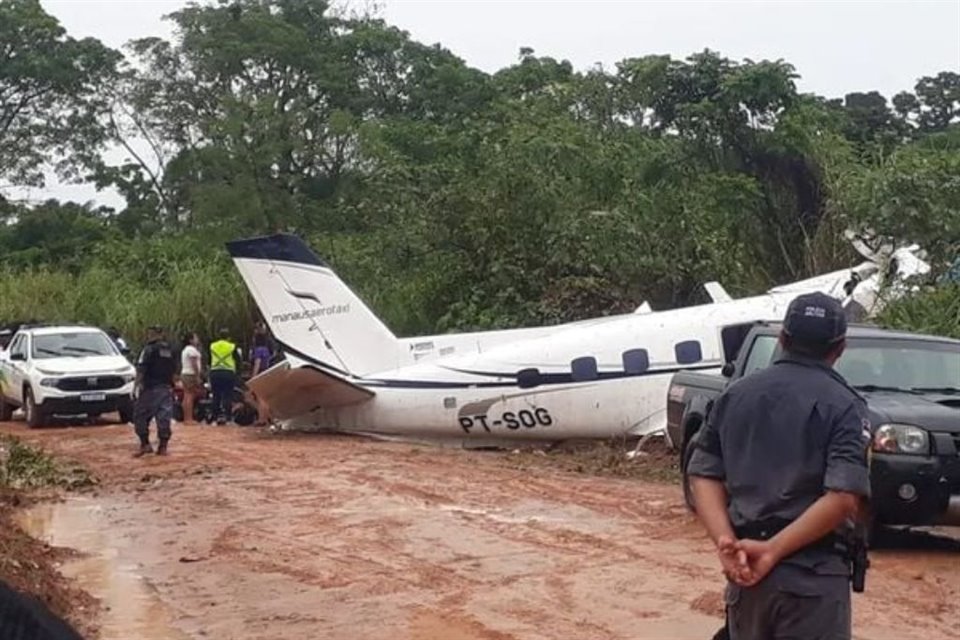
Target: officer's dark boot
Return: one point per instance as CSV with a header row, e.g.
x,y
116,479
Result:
x,y
162,448
145,448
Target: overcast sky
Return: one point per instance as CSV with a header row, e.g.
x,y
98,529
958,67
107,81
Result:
x,y
837,46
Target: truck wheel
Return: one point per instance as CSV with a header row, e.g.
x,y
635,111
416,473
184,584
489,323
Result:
x,y
6,410
126,413
687,491
245,416
35,417
691,427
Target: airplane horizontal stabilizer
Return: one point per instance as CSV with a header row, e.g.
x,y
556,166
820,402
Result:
x,y
293,391
716,292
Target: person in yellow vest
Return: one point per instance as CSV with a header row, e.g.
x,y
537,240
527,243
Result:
x,y
224,358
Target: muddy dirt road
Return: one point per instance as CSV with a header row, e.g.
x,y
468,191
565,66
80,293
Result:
x,y
243,534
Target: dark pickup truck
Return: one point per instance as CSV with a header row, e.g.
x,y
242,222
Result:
x,y
912,387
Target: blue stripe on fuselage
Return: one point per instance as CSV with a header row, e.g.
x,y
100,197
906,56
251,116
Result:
x,y
546,379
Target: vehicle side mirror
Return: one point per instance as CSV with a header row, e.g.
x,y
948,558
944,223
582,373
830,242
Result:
x,y
728,370
19,356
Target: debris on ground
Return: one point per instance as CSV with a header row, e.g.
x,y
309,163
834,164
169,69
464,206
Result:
x,y
616,457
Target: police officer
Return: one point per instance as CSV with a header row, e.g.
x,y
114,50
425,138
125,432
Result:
x,y
779,467
224,356
155,370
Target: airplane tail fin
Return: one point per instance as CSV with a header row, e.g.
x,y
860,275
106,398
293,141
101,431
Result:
x,y
312,314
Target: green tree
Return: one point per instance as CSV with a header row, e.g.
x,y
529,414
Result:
x,y
914,196
51,95
935,103
262,101
871,123
52,233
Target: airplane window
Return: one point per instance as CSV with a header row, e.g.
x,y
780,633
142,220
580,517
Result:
x,y
688,352
636,361
584,369
527,378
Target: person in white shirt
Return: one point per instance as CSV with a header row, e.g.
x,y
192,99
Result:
x,y
191,375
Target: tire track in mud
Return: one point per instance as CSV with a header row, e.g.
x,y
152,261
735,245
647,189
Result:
x,y
327,537
579,549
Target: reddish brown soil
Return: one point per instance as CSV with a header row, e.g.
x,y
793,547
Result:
x,y
30,566
244,534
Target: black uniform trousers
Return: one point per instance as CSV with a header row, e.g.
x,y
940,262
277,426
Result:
x,y
222,383
792,603
153,403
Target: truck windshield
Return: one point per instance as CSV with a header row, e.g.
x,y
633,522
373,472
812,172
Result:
x,y
64,345
883,363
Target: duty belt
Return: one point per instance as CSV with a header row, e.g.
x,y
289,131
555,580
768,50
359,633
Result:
x,y
766,529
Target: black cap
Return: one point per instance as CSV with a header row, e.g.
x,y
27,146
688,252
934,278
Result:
x,y
815,319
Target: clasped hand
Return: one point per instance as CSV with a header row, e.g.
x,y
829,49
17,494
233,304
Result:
x,y
746,562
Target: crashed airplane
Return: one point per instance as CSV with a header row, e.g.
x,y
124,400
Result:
x,y
346,372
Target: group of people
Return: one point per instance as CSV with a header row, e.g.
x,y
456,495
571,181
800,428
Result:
x,y
158,370
780,466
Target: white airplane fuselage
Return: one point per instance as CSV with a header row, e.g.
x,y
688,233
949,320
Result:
x,y
476,396
607,377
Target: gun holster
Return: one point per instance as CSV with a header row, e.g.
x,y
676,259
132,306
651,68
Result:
x,y
859,562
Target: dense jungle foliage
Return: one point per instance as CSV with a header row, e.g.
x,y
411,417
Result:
x,y
448,197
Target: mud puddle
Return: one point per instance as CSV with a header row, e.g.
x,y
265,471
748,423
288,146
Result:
x,y
130,607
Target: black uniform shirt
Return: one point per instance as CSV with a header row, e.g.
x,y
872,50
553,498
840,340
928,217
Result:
x,y
157,364
779,438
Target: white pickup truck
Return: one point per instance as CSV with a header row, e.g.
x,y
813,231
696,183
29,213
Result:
x,y
64,370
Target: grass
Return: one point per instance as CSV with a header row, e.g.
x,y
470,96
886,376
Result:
x,y
26,467
196,296
933,311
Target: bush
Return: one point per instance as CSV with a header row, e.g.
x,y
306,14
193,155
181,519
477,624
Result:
x,y
25,467
933,311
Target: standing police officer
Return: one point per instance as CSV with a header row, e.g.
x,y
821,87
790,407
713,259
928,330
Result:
x,y
780,465
155,370
224,356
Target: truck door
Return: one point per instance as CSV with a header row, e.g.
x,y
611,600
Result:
x,y
14,368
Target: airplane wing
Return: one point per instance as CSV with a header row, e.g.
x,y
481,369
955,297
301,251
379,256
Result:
x,y
293,391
